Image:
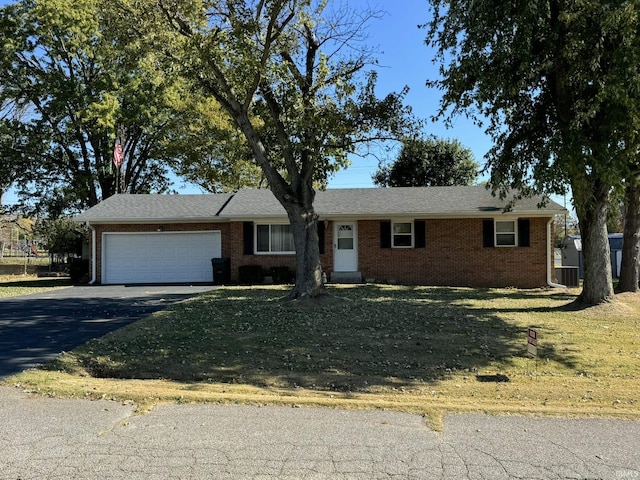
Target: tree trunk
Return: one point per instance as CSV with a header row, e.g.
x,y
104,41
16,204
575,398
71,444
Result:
x,y
304,225
630,268
591,209
297,199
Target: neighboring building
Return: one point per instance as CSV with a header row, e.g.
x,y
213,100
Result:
x,y
572,253
458,236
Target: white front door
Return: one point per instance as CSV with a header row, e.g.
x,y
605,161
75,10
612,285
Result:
x,y
345,247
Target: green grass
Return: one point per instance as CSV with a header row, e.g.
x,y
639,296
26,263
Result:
x,y
17,285
41,260
423,349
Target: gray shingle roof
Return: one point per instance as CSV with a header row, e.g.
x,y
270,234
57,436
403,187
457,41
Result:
x,y
124,208
389,202
249,204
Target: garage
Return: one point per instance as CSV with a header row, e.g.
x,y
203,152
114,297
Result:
x,y
159,257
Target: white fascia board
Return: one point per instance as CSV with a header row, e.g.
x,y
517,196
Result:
x,y
146,220
441,216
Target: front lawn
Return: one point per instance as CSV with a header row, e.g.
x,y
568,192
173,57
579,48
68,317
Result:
x,y
421,349
17,285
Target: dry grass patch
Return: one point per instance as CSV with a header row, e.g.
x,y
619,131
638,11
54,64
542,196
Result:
x,y
17,285
418,349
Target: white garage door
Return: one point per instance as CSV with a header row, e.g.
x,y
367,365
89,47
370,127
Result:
x,y
174,257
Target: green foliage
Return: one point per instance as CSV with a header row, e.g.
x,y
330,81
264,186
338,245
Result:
x,y
71,83
61,236
555,80
559,85
210,152
429,162
291,76
62,88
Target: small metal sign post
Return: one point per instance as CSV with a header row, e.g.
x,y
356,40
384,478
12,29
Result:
x,y
532,343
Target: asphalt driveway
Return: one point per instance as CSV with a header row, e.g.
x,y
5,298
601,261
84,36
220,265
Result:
x,y
35,328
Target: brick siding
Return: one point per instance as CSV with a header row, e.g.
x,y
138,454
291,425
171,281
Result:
x,y
454,254
266,261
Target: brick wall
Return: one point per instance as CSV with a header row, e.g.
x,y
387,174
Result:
x,y
235,252
455,256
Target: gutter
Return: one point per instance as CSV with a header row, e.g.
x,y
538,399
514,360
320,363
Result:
x,y
93,254
549,245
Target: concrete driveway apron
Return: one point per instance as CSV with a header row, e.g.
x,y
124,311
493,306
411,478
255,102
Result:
x,y
35,328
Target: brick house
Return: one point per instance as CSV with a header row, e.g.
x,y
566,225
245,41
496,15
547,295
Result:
x,y
458,236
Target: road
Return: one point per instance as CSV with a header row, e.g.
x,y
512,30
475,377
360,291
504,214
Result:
x,y
47,439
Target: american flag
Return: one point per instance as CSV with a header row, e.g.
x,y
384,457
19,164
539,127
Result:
x,y
118,156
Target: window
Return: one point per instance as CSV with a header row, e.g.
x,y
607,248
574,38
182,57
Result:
x,y
345,237
402,235
274,239
506,233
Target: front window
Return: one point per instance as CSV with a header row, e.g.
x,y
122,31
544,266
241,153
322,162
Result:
x,y
274,239
402,234
506,233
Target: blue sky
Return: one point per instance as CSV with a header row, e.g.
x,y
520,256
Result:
x,y
404,59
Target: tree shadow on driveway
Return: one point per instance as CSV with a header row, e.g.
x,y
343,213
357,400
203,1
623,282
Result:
x,y
34,329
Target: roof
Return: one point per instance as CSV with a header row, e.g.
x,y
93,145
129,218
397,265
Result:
x,y
150,208
424,202
615,241
416,202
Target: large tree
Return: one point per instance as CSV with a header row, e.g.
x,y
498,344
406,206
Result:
x,y
68,90
219,162
75,93
430,162
558,82
289,73
7,170
630,265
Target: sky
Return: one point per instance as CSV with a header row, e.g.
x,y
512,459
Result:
x,y
404,60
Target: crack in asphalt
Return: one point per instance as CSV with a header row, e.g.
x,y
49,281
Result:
x,y
53,439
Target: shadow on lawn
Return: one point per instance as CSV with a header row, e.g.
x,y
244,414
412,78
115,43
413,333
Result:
x,y
369,337
39,283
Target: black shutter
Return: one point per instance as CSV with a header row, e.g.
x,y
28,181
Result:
x,y
487,233
321,236
247,238
420,233
524,227
385,234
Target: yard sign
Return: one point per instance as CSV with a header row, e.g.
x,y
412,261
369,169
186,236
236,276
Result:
x,y
532,343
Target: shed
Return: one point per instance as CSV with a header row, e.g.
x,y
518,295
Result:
x,y
572,253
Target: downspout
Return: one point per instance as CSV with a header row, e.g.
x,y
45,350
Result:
x,y
93,254
549,246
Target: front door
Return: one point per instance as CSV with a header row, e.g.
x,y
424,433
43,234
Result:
x,y
345,247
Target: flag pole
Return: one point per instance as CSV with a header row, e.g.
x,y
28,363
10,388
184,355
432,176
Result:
x,y
118,159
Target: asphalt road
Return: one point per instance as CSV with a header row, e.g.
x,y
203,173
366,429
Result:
x,y
36,328
47,439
